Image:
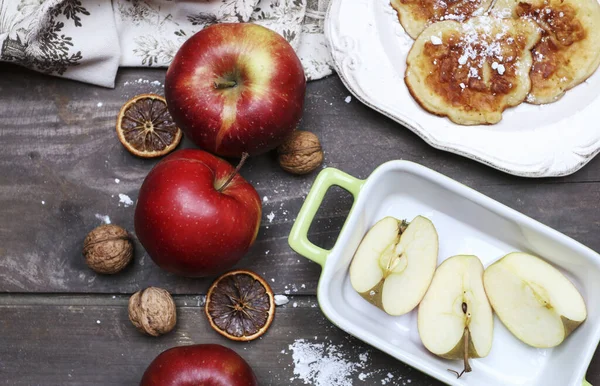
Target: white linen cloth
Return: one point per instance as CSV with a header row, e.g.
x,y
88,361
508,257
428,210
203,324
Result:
x,y
87,40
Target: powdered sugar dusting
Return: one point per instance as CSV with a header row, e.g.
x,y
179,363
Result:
x,y
503,13
281,300
125,200
104,218
322,364
459,18
480,45
143,81
388,378
436,40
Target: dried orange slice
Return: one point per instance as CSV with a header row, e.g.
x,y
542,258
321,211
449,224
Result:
x,y
145,127
240,305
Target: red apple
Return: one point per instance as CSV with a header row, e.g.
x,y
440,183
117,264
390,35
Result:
x,y
202,364
192,219
236,88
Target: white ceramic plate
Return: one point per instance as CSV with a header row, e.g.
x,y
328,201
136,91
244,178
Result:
x,y
467,222
369,48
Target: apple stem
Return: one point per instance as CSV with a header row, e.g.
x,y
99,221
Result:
x,y
467,368
232,175
466,337
403,226
221,84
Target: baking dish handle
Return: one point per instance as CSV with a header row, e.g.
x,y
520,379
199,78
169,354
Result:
x,y
298,239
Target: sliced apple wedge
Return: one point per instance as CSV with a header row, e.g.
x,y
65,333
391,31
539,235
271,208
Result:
x,y
394,264
455,318
536,302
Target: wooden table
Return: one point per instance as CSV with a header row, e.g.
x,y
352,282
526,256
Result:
x,y
62,324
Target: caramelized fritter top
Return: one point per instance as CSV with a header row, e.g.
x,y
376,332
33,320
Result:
x,y
561,29
474,70
434,10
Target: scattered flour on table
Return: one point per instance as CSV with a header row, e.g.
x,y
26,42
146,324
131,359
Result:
x,y
143,81
348,99
125,200
117,180
294,288
321,364
271,216
265,199
104,218
281,300
387,379
43,202
99,104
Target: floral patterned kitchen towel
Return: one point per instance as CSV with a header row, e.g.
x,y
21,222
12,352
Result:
x,y
151,31
86,40
75,39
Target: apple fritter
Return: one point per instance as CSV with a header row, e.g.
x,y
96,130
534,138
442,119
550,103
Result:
x,y
569,51
416,15
472,71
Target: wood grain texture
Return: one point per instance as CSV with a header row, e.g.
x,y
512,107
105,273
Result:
x,y
60,158
58,165
88,340
61,343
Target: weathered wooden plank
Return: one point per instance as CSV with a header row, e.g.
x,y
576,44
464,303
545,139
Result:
x,y
90,341
60,160
76,340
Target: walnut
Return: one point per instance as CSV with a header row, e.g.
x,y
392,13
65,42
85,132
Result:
x,y
152,311
301,153
108,249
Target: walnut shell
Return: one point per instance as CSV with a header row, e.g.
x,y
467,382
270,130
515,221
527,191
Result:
x,y
152,311
301,153
108,249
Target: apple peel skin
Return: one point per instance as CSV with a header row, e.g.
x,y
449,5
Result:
x,y
236,87
186,225
534,300
202,364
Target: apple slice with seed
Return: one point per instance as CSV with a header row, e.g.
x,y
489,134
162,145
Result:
x,y
455,318
394,264
534,300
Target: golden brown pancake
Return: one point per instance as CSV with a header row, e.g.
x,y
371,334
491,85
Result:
x,y
472,71
569,51
416,15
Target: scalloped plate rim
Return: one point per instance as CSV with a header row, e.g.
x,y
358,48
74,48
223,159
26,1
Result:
x,y
426,136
